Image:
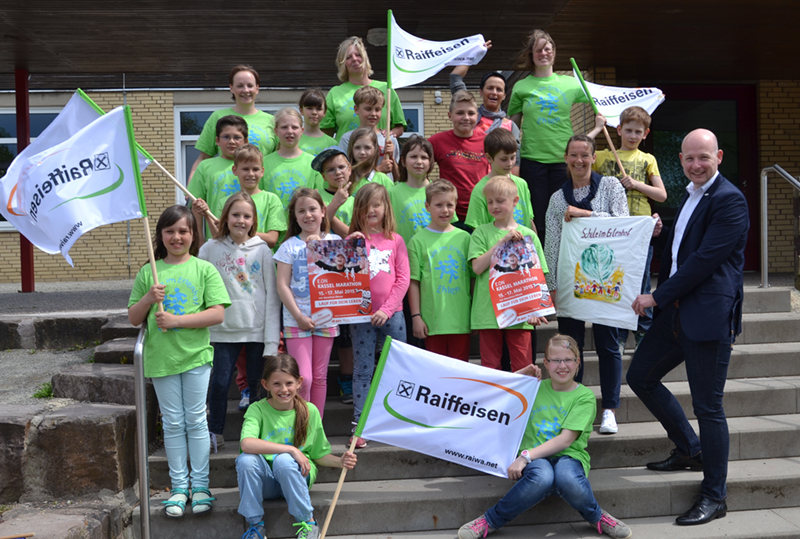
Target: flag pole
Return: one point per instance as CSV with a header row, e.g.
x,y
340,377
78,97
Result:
x,y
596,112
180,186
388,78
336,493
152,257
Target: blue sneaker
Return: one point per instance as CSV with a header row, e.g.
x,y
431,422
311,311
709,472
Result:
x,y
245,400
256,531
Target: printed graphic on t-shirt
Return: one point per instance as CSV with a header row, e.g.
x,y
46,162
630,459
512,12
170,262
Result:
x,y
546,99
379,261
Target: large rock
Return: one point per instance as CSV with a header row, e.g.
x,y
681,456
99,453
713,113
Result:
x,y
9,335
115,351
79,449
118,327
14,423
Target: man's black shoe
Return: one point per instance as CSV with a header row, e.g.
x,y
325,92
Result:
x,y
676,462
704,510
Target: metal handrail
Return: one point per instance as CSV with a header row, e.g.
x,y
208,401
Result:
x,y
141,431
764,231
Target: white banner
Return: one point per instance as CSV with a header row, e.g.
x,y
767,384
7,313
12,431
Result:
x,y
79,112
415,60
86,181
600,267
612,100
448,409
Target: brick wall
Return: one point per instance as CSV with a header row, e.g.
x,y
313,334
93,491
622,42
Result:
x,y
779,143
102,253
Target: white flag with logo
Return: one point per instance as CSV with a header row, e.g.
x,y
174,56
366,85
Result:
x,y
448,409
600,267
79,112
414,60
612,100
90,179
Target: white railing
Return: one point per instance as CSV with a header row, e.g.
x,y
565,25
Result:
x,y
764,221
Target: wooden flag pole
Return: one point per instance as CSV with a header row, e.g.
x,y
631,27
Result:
x,y
336,493
152,257
180,186
614,151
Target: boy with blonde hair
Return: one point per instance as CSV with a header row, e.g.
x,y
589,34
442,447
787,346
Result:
x,y
439,295
501,198
368,106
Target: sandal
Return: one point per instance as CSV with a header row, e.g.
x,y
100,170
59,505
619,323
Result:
x,y
201,504
176,505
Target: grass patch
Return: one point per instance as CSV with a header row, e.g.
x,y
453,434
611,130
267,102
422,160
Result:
x,y
45,392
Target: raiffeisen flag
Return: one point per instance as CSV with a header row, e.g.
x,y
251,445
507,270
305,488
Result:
x,y
612,100
79,112
414,60
90,179
446,408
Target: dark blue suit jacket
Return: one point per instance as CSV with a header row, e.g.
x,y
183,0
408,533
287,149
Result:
x,y
709,279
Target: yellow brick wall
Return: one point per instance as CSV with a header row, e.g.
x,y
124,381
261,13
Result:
x,y
102,253
779,143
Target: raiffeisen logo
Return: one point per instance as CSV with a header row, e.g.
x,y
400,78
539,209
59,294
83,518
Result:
x,y
426,54
77,171
456,404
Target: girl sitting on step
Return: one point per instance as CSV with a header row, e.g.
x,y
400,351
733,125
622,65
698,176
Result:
x,y
282,444
554,458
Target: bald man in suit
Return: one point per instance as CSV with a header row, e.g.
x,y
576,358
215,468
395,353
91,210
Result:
x,y
699,304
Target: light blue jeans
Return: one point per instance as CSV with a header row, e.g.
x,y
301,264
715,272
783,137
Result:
x,y
259,482
182,399
365,338
563,476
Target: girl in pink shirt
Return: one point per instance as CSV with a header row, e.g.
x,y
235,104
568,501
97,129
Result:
x,y
389,278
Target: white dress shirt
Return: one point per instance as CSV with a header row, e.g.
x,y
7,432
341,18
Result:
x,y
695,195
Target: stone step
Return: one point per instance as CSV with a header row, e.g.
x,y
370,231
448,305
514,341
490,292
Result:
x,y
767,300
115,351
769,328
757,524
374,507
743,397
636,444
118,327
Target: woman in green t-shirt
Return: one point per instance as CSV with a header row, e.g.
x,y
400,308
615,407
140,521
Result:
x,y
354,72
244,84
540,105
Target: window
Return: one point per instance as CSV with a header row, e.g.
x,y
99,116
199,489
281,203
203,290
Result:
x,y
415,119
189,122
40,119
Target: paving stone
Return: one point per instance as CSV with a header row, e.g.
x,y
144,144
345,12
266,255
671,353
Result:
x,y
115,351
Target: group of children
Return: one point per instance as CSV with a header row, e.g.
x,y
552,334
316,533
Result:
x,y
426,243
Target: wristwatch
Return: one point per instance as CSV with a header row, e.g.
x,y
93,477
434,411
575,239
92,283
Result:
x,y
526,455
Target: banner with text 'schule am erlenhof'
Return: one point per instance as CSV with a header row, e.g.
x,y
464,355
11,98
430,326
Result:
x,y
600,267
448,409
338,273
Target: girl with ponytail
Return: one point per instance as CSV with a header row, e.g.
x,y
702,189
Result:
x,y
282,444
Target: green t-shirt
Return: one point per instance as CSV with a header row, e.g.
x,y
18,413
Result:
x,y
271,215
545,104
264,422
483,238
345,211
408,205
260,129
282,176
554,411
315,145
339,113
377,177
639,166
438,260
192,287
478,212
214,182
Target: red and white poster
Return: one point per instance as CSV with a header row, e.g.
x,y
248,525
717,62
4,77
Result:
x,y
338,271
516,284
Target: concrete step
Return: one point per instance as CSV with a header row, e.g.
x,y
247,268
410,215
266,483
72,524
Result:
x,y
743,398
769,328
636,444
115,351
758,524
396,506
767,300
118,327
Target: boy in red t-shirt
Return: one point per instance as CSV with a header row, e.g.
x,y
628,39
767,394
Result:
x,y
459,152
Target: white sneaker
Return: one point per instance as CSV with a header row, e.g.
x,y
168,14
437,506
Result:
x,y
609,423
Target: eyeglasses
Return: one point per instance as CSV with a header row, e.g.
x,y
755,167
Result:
x,y
568,362
235,138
